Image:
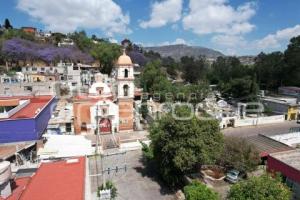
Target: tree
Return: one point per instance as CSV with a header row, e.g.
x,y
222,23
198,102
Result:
x,y
292,59
199,191
243,88
106,53
144,108
239,154
180,145
194,70
7,24
260,188
269,69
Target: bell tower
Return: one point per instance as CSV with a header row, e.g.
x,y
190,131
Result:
x,y
125,92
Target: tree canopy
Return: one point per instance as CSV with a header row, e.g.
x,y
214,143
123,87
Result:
x,y
260,188
199,191
180,145
239,154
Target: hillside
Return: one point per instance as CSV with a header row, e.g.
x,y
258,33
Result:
x,y
180,50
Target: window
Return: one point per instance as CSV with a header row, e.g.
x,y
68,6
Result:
x,y
104,111
125,90
68,127
126,73
42,69
75,68
28,88
34,69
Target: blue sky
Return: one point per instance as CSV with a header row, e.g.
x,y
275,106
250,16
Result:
x,y
237,27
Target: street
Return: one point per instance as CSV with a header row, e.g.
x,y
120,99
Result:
x,y
133,184
268,129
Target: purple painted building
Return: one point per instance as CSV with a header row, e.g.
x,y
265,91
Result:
x,y
24,118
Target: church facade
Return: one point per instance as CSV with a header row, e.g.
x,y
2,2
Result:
x,y
108,108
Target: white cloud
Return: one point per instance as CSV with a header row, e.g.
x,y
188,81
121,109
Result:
x,y
162,13
275,40
238,44
177,41
69,15
229,40
217,16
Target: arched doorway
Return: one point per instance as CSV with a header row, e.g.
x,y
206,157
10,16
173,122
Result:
x,y
105,126
125,90
126,73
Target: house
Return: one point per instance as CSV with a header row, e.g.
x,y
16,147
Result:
x,y
282,105
290,91
30,30
287,163
59,180
24,118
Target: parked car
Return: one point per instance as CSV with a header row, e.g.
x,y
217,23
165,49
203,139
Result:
x,y
233,176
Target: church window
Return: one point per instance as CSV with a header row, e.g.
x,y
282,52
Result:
x,y
125,90
126,73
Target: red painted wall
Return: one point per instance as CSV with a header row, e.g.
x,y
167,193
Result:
x,y
275,165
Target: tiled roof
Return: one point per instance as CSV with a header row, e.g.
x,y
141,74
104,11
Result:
x,y
59,180
266,145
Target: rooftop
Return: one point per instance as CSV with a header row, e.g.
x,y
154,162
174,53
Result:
x,y
36,104
57,180
7,151
266,145
290,158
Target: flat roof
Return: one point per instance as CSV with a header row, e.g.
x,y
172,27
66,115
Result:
x,y
266,145
30,110
290,158
7,151
58,180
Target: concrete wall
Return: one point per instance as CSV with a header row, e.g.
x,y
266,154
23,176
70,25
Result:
x,y
45,88
259,121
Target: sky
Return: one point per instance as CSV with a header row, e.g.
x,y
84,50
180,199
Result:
x,y
234,27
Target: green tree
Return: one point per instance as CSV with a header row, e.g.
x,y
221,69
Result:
x,y
292,59
180,145
239,154
260,188
144,108
83,42
199,191
244,88
106,53
193,70
269,69
7,24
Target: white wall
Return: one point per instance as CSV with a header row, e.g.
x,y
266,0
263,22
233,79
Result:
x,y
259,121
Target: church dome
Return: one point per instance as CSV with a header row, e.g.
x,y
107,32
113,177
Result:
x,y
124,60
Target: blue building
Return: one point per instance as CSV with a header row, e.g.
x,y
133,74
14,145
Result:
x,y
24,118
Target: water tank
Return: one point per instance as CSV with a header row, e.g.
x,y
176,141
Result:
x,y
5,176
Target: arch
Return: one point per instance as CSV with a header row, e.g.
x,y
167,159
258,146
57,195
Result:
x,y
125,90
126,72
83,127
105,125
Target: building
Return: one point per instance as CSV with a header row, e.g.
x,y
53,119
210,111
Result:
x,y
24,118
30,30
287,163
125,92
66,42
28,88
282,105
59,180
290,91
109,105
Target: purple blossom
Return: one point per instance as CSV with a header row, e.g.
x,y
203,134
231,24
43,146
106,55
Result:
x,y
19,49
